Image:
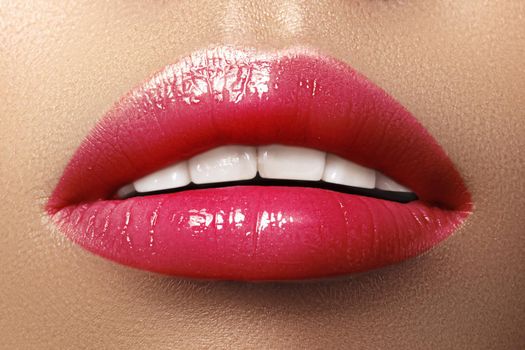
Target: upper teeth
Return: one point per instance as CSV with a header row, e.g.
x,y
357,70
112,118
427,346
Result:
x,y
170,177
221,164
344,172
233,163
294,163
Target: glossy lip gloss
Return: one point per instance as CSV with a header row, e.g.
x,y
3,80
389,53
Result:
x,y
240,96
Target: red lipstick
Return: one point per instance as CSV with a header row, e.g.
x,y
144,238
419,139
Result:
x,y
228,96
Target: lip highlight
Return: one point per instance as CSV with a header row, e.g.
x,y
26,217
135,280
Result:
x,y
233,96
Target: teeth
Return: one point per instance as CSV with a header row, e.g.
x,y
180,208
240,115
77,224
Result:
x,y
343,172
171,177
383,182
234,163
294,163
227,163
126,191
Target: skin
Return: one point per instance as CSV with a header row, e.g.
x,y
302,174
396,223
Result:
x,y
457,65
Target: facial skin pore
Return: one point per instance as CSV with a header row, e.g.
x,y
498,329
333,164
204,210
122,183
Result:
x,y
456,65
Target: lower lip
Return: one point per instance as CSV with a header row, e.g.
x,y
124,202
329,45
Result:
x,y
255,233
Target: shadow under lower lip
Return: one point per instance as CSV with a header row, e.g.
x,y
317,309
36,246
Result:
x,y
400,197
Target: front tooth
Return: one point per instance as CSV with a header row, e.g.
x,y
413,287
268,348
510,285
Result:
x,y
385,183
343,172
222,164
171,177
294,163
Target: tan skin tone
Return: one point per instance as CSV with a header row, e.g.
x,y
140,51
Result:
x,y
457,65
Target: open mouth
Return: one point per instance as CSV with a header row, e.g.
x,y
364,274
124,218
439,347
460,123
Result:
x,y
233,164
274,165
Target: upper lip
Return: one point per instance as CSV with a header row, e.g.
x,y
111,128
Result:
x,y
237,96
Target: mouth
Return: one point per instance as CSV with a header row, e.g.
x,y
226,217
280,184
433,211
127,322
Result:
x,y
241,165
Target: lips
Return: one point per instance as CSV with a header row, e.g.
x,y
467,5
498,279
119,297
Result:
x,y
227,96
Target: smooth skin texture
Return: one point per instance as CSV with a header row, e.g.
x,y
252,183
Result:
x,y
457,65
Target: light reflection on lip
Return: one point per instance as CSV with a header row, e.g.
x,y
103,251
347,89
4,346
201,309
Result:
x,y
231,96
